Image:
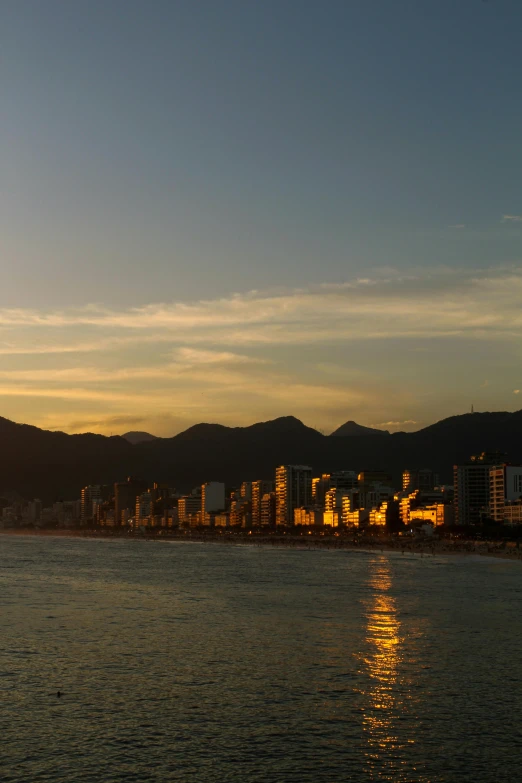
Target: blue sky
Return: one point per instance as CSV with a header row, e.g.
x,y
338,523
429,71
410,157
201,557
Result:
x,y
236,210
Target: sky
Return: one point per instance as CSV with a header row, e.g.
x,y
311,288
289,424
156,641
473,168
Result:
x,y
234,210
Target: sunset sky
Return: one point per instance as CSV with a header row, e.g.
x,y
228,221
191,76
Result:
x,y
232,210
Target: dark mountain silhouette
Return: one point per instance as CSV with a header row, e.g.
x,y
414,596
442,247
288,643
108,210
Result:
x,y
351,428
138,437
53,465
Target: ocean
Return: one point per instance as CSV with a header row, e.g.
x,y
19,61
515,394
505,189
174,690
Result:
x,y
207,662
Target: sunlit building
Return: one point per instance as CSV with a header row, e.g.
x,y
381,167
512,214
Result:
x,y
505,491
436,514
308,516
268,509
422,480
222,520
332,518
89,495
379,516
143,507
246,490
259,489
212,497
240,511
188,505
293,490
320,486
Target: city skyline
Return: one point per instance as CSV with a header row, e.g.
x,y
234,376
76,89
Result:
x,y
238,214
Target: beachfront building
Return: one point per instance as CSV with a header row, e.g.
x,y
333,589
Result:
x,y
308,516
268,508
188,506
423,480
472,487
259,489
436,514
505,484
293,490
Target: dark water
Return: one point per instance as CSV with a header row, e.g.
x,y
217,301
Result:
x,y
213,663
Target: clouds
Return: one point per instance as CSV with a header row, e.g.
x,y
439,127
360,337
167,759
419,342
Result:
x,y
512,218
325,352
440,304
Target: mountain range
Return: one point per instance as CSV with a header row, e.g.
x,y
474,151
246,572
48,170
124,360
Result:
x,y
54,465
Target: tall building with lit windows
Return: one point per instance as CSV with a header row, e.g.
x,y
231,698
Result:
x,y
94,493
268,509
212,497
424,480
505,492
125,494
259,489
293,490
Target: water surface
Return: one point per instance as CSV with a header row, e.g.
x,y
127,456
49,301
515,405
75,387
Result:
x,y
205,662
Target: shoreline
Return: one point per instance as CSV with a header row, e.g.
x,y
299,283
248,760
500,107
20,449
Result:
x,y
505,550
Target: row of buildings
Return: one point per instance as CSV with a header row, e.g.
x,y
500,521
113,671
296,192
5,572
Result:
x,y
485,487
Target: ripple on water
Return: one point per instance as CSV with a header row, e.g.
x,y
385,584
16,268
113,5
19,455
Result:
x,y
197,663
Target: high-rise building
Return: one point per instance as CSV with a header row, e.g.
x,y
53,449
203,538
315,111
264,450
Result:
x,y
472,487
293,490
246,490
374,488
144,507
212,497
505,491
423,479
352,517
91,494
343,480
320,487
435,513
125,494
259,488
188,505
308,516
268,506
332,518
240,510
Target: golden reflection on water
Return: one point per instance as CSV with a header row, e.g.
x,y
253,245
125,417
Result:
x,y
383,699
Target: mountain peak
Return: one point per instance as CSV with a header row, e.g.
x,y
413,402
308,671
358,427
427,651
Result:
x,y
135,436
351,429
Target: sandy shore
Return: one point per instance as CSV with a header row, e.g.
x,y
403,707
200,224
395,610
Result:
x,y
416,546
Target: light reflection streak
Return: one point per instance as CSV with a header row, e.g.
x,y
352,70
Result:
x,y
383,699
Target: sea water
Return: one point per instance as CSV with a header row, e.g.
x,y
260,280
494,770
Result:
x,y
208,662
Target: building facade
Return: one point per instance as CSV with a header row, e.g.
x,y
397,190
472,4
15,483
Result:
x,y
505,484
472,487
212,497
293,490
259,489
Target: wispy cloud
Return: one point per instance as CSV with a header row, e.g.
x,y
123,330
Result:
x,y
470,304
512,218
396,423
458,225
232,359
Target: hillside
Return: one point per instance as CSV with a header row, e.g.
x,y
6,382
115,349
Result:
x,y
53,465
351,428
